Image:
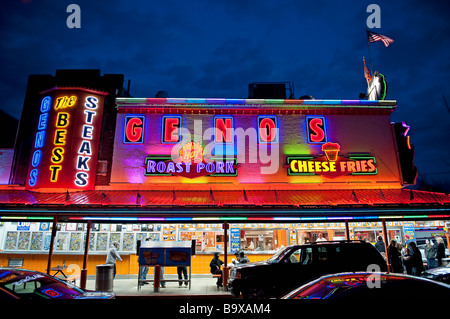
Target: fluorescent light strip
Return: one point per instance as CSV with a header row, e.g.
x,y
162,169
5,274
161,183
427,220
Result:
x,y
158,101
26,217
235,218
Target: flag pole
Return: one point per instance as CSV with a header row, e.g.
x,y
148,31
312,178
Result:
x,y
370,55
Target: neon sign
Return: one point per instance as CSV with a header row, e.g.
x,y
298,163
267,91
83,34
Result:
x,y
190,164
331,164
66,139
223,129
171,129
39,140
134,129
267,129
316,130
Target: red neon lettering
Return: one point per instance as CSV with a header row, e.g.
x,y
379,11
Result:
x,y
223,132
133,130
318,134
171,129
267,130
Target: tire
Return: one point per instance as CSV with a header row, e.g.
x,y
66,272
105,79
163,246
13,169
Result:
x,y
253,291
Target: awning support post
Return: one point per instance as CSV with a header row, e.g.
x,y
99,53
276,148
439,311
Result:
x,y
383,222
52,242
225,268
83,277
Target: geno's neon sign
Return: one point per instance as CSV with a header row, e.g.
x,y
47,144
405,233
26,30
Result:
x,y
66,140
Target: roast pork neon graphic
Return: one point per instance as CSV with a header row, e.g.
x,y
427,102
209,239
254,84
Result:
x,y
330,164
191,164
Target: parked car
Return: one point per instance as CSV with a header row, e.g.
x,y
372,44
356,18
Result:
x,y
439,274
27,284
297,264
366,286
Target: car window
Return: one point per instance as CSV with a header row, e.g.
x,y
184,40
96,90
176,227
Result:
x,y
302,256
322,254
295,256
21,287
329,253
279,255
306,257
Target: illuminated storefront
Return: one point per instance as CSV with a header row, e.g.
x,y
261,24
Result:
x,y
269,173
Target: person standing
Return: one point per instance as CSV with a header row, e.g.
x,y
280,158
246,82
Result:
x,y
406,258
416,260
112,256
215,265
380,245
144,271
440,251
394,257
430,254
182,270
320,238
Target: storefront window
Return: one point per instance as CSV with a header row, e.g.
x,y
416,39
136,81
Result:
x,y
253,238
207,240
259,240
310,233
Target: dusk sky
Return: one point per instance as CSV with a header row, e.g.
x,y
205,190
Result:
x,y
216,48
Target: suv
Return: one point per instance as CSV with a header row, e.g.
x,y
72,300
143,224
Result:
x,y
295,265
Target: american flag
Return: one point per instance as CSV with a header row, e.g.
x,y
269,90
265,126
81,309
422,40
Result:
x,y
374,37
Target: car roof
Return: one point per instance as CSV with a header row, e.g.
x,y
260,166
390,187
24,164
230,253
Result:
x,y
8,274
331,242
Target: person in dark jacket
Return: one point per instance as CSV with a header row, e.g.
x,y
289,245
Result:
x,y
430,254
380,245
394,257
416,260
215,265
242,258
440,251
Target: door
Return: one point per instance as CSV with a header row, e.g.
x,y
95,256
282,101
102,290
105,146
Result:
x,y
295,269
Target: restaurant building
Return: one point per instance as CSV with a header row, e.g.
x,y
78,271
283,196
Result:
x,y
93,165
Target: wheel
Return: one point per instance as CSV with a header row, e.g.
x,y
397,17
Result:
x,y
253,291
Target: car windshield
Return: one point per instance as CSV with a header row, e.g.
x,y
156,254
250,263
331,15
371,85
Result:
x,y
279,255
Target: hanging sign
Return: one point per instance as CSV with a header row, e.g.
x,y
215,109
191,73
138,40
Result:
x,y
65,149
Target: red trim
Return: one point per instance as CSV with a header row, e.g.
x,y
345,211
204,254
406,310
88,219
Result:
x,y
221,198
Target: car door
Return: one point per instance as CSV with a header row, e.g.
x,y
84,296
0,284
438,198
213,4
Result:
x,y
296,268
330,259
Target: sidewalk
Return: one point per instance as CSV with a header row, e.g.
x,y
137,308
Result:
x,y
201,285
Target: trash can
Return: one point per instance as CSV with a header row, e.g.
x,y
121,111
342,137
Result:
x,y
104,278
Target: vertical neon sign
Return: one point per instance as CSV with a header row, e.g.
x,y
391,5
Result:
x,y
67,139
39,140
